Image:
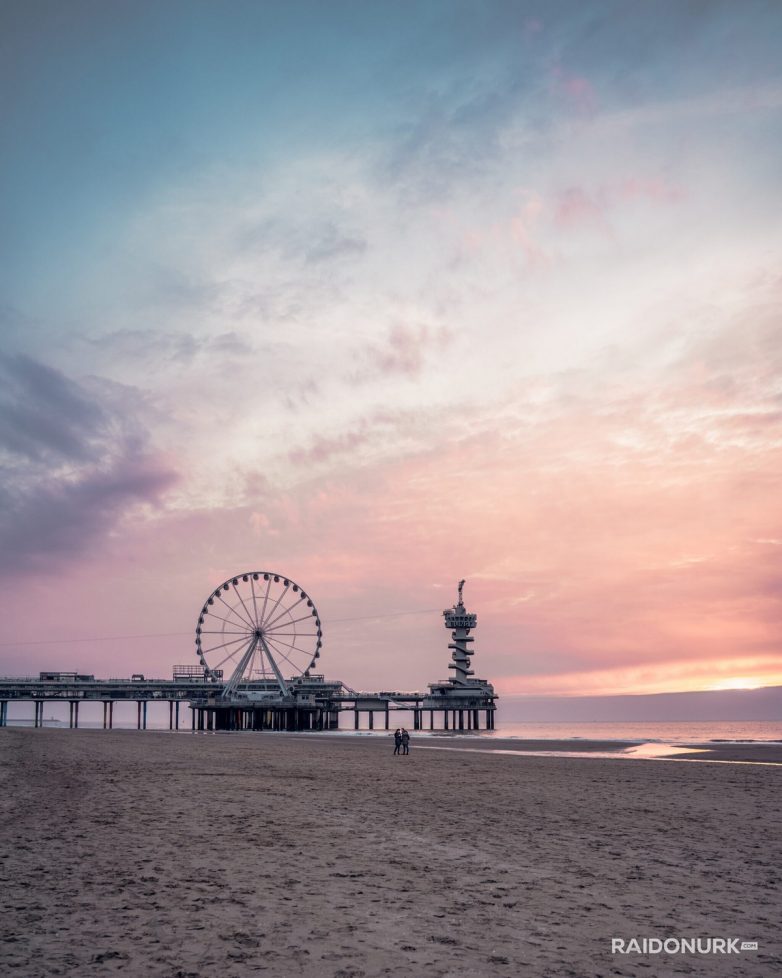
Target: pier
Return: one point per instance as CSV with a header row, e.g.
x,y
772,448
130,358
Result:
x,y
313,706
266,611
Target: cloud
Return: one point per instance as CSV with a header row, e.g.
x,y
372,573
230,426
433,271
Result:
x,y
381,435
74,461
310,240
576,206
150,348
43,414
575,89
453,132
231,343
325,449
329,244
581,205
404,352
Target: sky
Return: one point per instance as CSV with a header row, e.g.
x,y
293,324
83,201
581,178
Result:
x,y
380,296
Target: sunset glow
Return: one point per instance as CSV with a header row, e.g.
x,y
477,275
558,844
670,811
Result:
x,y
739,682
452,296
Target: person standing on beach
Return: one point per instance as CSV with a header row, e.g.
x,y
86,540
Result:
x,y
397,740
405,741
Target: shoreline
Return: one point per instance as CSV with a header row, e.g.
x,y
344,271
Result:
x,y
53,723
757,752
725,751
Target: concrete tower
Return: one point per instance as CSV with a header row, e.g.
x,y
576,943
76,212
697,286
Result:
x,y
462,697
459,622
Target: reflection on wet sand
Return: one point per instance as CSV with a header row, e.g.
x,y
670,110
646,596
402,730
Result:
x,y
653,752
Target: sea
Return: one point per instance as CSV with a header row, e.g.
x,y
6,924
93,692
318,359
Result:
x,y
663,732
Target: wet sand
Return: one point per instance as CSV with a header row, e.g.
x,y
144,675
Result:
x,y
758,753
192,856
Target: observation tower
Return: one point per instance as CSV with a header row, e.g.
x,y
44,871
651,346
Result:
x,y
462,694
459,621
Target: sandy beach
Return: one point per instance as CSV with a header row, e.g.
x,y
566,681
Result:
x,y
192,856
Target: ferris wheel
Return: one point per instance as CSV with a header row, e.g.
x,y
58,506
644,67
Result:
x,y
258,626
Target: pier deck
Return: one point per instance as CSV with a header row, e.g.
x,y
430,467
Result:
x,y
313,704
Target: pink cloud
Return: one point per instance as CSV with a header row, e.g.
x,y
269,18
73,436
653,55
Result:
x,y
576,206
648,188
575,89
403,352
323,449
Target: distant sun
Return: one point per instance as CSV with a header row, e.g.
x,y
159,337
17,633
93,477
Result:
x,y
738,682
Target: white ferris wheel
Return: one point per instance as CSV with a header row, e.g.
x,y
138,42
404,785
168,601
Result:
x,y
260,626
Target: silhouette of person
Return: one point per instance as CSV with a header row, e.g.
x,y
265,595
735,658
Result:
x,y
405,741
397,740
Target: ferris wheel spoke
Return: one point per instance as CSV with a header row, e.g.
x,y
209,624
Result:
x,y
220,618
234,641
221,631
265,601
236,591
255,603
231,655
290,645
287,611
280,652
299,634
286,623
235,612
276,605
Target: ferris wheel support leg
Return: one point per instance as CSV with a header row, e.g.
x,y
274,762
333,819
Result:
x,y
233,682
275,668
